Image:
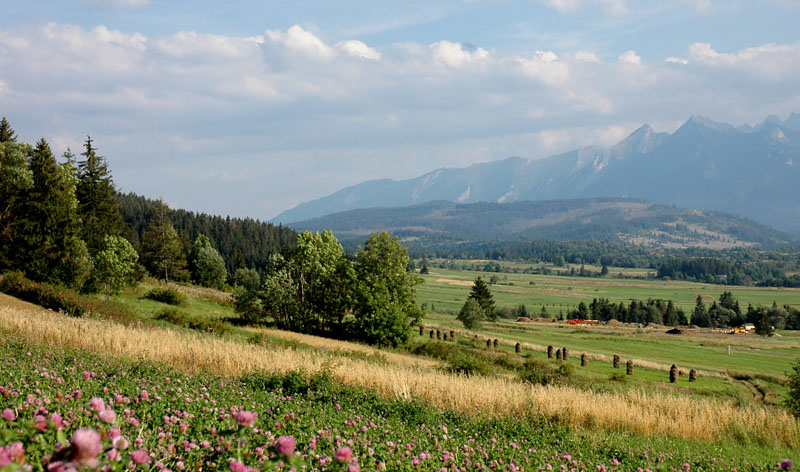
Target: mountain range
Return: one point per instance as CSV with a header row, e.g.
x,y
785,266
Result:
x,y
622,220
753,171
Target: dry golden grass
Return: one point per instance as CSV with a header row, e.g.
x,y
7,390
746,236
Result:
x,y
636,412
335,346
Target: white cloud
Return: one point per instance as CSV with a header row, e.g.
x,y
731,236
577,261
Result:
x,y
613,7
586,56
630,58
453,54
303,41
293,108
359,49
189,43
564,5
545,66
118,3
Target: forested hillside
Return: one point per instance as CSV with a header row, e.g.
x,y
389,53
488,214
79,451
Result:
x,y
603,219
63,222
242,242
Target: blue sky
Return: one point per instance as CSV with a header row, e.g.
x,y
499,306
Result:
x,y
251,107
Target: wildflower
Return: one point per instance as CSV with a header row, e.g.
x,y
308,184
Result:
x,y
8,414
120,442
97,404
107,416
57,420
246,418
353,468
344,454
145,395
113,455
140,456
785,464
85,447
237,466
285,445
15,452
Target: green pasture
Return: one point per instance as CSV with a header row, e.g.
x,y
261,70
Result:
x,y
446,290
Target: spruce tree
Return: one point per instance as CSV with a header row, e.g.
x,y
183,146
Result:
x,y
15,182
162,251
671,317
98,205
51,249
480,293
700,315
6,133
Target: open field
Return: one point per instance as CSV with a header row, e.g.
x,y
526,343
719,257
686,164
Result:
x,y
644,413
162,418
446,290
753,372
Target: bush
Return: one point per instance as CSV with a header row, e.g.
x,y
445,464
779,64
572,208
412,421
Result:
x,y
169,296
618,377
183,319
792,401
63,299
465,363
540,373
43,294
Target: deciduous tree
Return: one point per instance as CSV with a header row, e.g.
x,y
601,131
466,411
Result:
x,y
114,265
208,265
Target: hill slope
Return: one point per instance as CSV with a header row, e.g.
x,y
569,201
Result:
x,y
608,219
753,172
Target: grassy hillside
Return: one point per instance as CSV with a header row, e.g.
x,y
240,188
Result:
x,y
375,397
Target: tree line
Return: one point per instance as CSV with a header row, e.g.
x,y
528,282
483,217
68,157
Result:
x,y
742,266
722,313
64,223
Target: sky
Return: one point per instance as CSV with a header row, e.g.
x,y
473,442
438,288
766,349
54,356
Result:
x,y
248,108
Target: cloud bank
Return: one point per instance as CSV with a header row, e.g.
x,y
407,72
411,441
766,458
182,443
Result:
x,y
251,125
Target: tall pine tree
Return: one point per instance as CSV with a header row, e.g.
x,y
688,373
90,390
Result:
x,y
98,206
7,135
51,249
480,293
700,316
15,182
162,251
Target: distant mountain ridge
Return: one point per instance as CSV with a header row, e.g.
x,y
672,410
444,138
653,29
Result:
x,y
752,171
623,220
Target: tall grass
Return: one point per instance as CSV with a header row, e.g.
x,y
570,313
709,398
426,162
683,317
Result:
x,y
636,412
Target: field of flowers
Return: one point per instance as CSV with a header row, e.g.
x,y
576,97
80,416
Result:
x,y
71,410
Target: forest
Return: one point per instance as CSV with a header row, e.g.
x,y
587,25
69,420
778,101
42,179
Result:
x,y
65,223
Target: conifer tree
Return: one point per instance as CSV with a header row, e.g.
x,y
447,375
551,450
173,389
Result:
x,y
51,249
6,133
480,293
15,182
700,315
98,205
671,317
162,251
